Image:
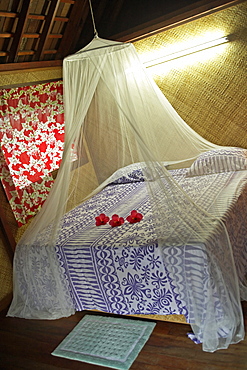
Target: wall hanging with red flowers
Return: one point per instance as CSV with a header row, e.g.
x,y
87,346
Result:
x,y
31,144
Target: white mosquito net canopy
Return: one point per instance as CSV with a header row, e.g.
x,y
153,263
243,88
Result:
x,y
115,115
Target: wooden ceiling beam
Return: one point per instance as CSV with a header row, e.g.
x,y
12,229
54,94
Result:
x,y
106,15
39,17
55,36
50,51
174,19
117,10
22,20
49,19
31,16
6,35
68,1
61,19
26,52
77,18
8,14
102,10
31,35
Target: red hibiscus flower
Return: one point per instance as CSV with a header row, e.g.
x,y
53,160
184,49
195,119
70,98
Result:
x,y
58,135
36,177
102,219
134,217
116,221
16,167
43,147
24,158
43,97
60,118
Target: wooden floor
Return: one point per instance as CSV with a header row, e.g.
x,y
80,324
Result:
x,y
27,344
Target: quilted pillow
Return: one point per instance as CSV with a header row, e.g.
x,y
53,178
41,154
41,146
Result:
x,y
219,160
134,176
130,173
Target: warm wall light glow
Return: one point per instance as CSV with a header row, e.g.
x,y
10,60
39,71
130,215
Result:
x,y
185,52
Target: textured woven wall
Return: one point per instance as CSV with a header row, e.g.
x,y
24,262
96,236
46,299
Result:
x,y
5,271
29,76
5,263
208,89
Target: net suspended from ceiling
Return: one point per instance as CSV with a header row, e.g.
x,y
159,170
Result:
x,y
115,115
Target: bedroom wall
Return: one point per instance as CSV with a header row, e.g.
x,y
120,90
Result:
x,y
207,90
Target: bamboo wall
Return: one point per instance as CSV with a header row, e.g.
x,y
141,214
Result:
x,y
29,76
208,89
5,273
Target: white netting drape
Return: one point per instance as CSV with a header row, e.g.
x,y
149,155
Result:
x,y
116,115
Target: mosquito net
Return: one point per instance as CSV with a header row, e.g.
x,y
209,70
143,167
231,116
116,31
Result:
x,y
115,116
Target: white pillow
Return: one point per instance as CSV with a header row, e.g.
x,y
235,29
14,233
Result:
x,y
219,160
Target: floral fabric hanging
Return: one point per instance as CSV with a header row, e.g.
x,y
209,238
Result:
x,y
31,144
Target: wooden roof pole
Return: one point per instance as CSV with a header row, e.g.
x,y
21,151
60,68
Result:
x,y
49,19
77,19
22,20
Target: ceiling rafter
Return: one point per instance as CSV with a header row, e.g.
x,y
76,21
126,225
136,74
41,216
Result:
x,y
8,14
174,19
103,12
48,23
115,13
77,19
20,29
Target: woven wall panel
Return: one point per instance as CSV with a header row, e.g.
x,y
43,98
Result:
x,y
29,76
209,94
5,270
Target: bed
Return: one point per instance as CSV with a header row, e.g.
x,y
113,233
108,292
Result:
x,y
123,270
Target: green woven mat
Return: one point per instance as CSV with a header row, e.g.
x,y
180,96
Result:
x,y
106,341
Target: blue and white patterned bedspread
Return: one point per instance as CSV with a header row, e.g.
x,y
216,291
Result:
x,y
122,270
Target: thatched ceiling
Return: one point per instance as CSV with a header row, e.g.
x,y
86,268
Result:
x,y
42,32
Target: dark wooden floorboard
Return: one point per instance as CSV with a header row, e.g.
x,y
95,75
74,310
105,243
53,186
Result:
x,y
27,344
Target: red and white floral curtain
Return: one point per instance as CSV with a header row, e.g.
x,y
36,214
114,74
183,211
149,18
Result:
x,y
31,144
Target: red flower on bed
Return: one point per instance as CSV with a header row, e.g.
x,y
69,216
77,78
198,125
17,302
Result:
x,y
116,221
102,219
134,217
